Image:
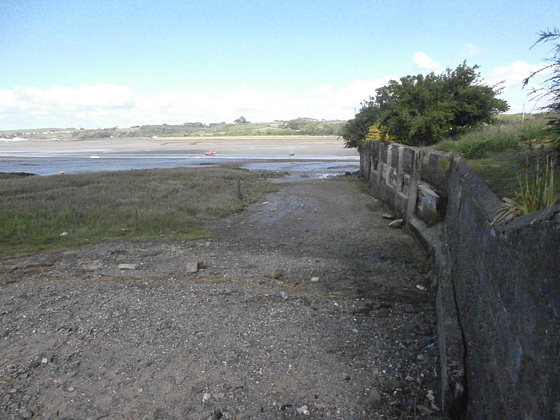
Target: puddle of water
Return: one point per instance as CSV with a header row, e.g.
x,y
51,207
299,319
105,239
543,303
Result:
x,y
306,170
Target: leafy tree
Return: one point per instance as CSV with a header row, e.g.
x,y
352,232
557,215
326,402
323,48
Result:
x,y
421,110
356,129
551,89
413,112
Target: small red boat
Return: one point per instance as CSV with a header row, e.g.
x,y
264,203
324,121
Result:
x,y
210,153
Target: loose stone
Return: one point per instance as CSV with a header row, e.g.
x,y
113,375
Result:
x,y
191,267
274,273
128,266
396,223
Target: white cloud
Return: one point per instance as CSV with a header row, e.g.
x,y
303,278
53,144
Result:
x,y
512,77
470,50
425,63
106,105
323,90
62,106
349,97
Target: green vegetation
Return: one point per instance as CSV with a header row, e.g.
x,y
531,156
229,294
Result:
x,y
422,110
54,212
506,172
536,191
295,127
299,126
550,91
510,132
523,151
508,151
455,112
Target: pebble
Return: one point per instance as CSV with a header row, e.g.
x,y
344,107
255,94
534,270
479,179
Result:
x,y
303,410
127,266
396,223
27,414
430,395
314,279
274,273
374,396
93,266
192,267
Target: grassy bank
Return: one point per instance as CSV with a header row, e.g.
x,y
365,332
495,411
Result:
x,y
61,211
507,151
511,132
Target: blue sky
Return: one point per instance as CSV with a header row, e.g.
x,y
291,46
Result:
x,y
106,63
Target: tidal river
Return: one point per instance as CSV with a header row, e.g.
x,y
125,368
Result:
x,y
44,160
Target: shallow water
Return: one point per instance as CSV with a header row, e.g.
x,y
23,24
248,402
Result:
x,y
46,162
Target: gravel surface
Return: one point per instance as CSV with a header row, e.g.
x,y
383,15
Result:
x,y
306,305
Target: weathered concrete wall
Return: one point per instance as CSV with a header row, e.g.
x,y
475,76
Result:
x,y
499,285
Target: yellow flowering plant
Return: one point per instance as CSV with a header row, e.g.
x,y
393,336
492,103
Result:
x,y
377,133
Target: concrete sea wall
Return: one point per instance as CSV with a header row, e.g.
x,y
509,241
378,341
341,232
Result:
x,y
498,294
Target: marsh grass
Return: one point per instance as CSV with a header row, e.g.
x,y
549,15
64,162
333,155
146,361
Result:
x,y
54,212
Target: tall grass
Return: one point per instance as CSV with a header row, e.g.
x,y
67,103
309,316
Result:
x,y
498,153
39,213
537,188
506,134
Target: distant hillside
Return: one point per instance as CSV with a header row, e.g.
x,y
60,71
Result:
x,y
241,127
299,126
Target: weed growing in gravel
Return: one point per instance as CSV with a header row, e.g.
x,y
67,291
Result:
x,y
52,212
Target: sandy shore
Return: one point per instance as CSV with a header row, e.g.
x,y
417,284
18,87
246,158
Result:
x,y
269,145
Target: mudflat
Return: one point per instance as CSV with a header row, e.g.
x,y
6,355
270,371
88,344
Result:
x,y
305,305
250,145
